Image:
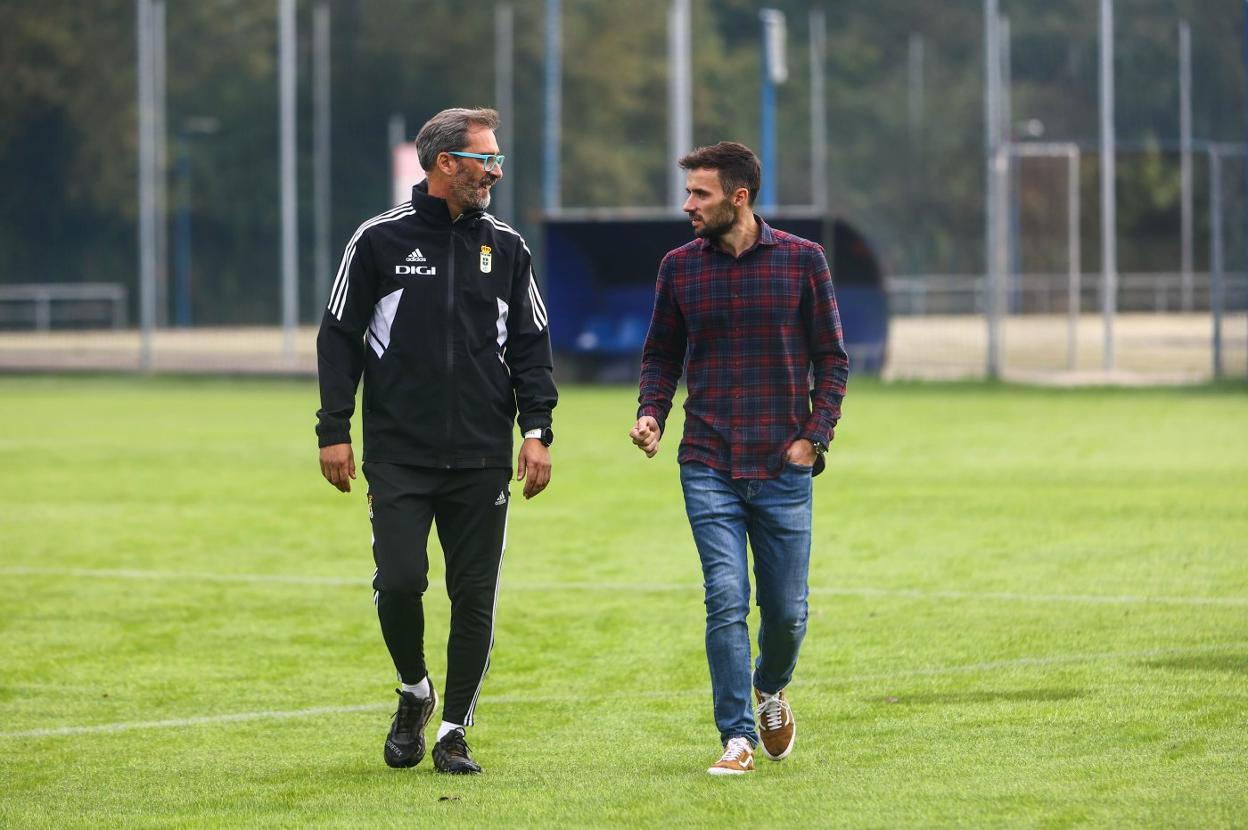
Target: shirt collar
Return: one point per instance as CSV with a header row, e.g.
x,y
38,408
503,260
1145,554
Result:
x,y
766,236
434,208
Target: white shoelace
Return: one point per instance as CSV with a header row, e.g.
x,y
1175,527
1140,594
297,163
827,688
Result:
x,y
772,711
734,749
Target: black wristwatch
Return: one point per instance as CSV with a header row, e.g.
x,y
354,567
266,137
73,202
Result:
x,y
820,447
544,434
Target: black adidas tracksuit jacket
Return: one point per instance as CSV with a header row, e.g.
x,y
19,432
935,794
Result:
x,y
445,322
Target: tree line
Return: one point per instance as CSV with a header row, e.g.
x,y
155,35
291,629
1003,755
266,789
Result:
x,y
905,135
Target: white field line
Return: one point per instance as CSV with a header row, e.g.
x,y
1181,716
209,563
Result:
x,y
633,587
529,700
899,593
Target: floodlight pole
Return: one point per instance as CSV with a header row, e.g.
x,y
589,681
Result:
x,y
1185,161
1011,282
1217,282
504,70
914,142
1074,257
772,72
818,111
679,97
767,133
147,181
321,136
161,150
995,168
290,228
554,105
1109,207
914,86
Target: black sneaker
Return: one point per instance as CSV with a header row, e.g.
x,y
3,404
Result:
x,y
405,745
451,755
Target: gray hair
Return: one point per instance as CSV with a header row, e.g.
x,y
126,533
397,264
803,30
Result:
x,y
448,131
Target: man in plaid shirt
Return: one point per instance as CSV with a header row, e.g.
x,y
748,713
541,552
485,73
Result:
x,y
755,309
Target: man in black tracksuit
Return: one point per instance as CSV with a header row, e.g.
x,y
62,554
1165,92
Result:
x,y
436,305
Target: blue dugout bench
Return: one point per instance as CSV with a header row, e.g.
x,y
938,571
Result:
x,y
600,268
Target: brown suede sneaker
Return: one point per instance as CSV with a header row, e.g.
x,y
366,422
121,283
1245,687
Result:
x,y
776,728
738,758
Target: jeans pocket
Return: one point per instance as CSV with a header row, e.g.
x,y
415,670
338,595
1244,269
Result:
x,y
798,468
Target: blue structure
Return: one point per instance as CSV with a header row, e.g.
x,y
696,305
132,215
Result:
x,y
600,269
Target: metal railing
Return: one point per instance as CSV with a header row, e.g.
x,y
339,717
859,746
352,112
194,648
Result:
x,y
1156,292
82,301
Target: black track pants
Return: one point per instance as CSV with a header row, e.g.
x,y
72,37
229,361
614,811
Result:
x,y
470,510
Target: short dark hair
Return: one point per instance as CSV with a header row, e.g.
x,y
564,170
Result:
x,y
736,164
448,131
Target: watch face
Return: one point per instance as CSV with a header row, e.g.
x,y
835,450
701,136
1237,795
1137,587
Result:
x,y
548,436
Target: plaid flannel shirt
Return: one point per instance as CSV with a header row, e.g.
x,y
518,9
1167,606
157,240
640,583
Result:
x,y
755,326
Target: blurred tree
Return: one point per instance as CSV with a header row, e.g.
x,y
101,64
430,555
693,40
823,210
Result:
x,y
66,140
67,120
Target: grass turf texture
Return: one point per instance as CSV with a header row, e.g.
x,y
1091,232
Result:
x,y
1030,608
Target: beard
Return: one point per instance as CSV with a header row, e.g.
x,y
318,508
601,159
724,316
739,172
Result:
x,y
717,221
467,190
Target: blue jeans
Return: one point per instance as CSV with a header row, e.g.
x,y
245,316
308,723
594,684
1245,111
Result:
x,y
775,515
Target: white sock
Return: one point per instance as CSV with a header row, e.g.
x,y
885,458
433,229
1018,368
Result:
x,y
447,726
421,689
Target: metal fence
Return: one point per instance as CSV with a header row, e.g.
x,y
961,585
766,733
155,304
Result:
x,y
1160,294
255,137
940,329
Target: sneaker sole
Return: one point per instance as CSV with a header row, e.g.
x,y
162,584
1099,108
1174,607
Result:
x,y
722,771
402,764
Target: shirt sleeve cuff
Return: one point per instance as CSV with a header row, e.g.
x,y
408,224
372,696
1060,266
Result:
x,y
536,421
333,431
653,412
816,435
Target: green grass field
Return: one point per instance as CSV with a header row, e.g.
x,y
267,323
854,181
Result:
x,y
1029,609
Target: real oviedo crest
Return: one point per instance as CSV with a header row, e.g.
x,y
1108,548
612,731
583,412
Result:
x,y
487,261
